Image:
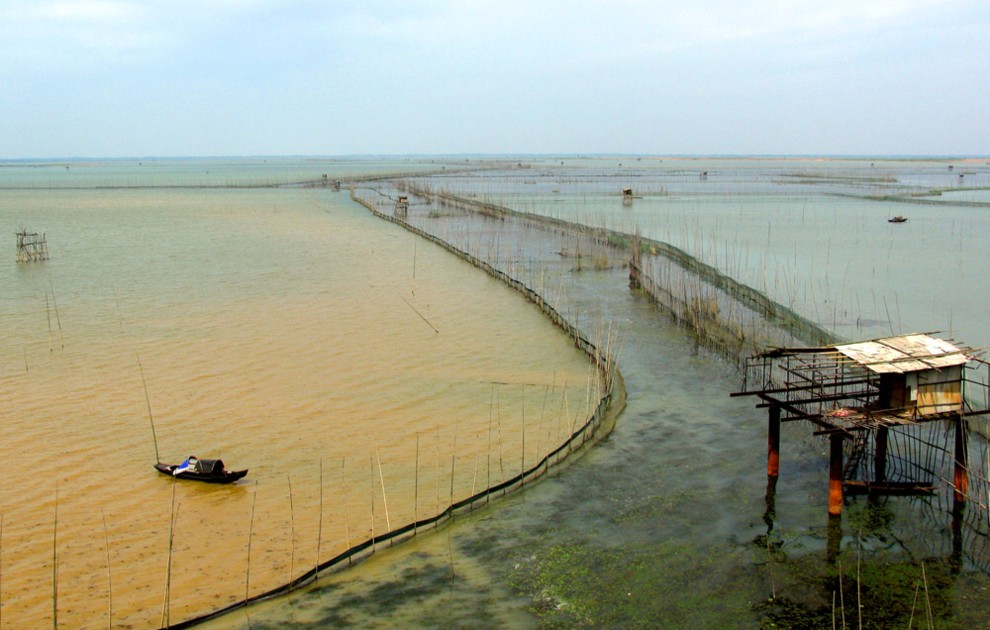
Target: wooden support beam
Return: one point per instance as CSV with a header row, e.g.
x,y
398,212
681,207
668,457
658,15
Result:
x,y
880,456
862,396
783,390
835,474
773,442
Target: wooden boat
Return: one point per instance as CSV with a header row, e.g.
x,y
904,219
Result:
x,y
208,470
897,219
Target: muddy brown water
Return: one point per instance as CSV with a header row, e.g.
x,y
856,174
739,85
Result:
x,y
284,331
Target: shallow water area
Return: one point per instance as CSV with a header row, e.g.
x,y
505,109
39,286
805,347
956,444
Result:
x,y
811,233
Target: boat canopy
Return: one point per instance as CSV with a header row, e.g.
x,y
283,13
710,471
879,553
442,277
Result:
x,y
209,466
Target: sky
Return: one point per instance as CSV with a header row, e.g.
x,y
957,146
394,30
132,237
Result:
x,y
131,78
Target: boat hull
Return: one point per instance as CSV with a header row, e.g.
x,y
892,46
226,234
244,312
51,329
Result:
x,y
227,476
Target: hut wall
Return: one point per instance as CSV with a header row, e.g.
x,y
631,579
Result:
x,y
938,391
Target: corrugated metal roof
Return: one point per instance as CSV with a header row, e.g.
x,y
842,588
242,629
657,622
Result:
x,y
905,353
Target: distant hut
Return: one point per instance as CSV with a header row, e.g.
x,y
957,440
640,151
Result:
x,y
402,206
627,196
31,246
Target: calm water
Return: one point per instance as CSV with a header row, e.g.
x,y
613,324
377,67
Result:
x,y
286,331
800,230
665,524
276,329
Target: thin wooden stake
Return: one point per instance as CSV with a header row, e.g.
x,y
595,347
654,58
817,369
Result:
x,y
319,528
55,562
773,587
172,514
48,312
420,314
474,480
372,479
914,605
147,400
488,454
522,464
1,569
58,319
120,320
438,470
453,459
292,529
416,490
842,597
859,593
247,573
388,522
928,601
347,527
106,545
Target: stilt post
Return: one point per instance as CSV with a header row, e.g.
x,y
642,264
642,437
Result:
x,y
960,475
880,456
773,442
835,474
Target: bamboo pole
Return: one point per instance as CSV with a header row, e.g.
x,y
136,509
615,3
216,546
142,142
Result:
x,y
106,545
416,490
453,460
522,463
319,529
1,569
859,580
488,454
381,477
55,562
49,314
438,470
842,596
151,418
914,605
474,479
371,478
292,530
247,572
173,515
347,526
58,320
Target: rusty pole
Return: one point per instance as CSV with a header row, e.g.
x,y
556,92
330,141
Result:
x,y
835,475
960,477
773,442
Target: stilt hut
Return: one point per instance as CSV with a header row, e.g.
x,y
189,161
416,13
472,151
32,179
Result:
x,y
887,406
627,196
402,206
31,246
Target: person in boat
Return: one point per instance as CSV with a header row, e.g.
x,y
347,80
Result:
x,y
188,465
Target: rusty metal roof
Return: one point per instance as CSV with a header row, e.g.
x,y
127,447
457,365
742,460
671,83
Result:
x,y
905,353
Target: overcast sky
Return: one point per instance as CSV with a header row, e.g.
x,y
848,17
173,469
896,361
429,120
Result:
x,y
106,78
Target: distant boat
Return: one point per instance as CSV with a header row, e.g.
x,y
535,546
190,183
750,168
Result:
x,y
208,470
897,219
